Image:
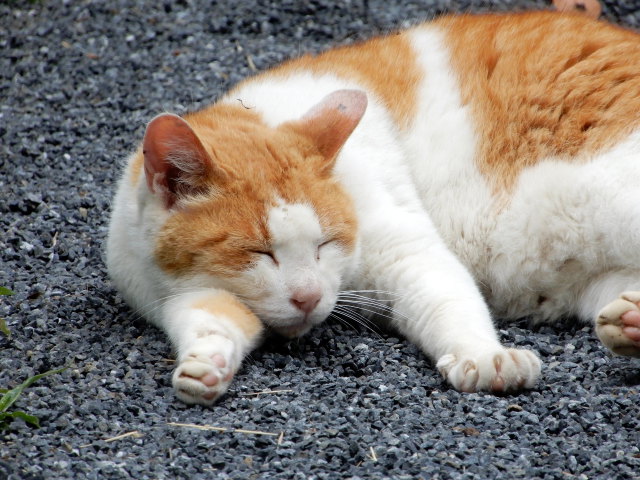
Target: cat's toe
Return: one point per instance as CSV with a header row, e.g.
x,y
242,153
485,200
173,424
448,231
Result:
x,y
462,374
498,371
197,382
618,325
205,372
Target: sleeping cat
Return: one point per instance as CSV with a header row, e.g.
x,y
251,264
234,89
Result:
x,y
469,165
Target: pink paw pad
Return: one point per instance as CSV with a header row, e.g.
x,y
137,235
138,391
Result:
x,y
631,322
618,325
211,379
210,395
219,360
205,370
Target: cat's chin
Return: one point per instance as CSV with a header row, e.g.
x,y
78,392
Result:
x,y
295,330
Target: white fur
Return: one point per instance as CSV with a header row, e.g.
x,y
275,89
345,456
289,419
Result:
x,y
430,231
201,340
440,306
301,268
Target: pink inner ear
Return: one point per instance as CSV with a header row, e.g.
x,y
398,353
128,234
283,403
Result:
x,y
331,122
174,158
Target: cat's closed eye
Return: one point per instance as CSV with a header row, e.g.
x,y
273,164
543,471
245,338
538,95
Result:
x,y
321,246
267,253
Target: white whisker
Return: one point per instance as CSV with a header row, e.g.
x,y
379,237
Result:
x,y
147,310
373,312
370,302
344,315
347,309
377,292
372,295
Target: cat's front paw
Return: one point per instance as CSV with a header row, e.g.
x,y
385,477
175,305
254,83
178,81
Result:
x,y
501,370
205,370
618,325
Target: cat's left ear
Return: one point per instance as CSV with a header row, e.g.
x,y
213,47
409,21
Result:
x,y
176,163
332,121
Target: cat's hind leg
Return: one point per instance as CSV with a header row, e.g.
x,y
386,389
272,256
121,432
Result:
x,y
618,325
212,333
616,315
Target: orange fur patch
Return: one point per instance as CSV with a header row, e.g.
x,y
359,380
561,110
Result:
x,y
135,166
226,305
542,85
385,65
220,233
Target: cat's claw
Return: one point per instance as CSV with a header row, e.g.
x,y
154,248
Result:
x,y
504,370
205,370
618,325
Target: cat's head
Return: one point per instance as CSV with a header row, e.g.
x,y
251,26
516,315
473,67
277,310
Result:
x,y
254,209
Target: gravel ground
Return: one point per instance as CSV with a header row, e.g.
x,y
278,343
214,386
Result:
x,y
78,81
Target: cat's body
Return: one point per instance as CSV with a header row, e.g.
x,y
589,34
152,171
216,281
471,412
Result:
x,y
474,157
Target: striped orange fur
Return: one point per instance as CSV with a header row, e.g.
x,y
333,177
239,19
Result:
x,y
386,65
227,306
534,95
221,233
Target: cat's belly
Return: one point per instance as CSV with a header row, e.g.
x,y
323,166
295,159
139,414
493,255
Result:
x,y
565,225
531,257
535,248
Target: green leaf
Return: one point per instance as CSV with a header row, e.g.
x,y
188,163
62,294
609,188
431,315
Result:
x,y
7,418
3,327
12,395
6,291
26,418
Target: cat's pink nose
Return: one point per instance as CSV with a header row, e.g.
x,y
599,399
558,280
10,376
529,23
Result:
x,y
306,300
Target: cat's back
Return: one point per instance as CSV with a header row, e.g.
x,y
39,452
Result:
x,y
542,85
506,122
469,104
535,84
547,130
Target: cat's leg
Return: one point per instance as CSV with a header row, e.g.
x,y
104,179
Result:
x,y
211,332
618,325
616,315
441,309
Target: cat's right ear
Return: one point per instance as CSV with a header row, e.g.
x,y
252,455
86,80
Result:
x,y
175,161
330,123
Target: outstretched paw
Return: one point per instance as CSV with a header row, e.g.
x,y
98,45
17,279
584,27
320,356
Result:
x,y
501,370
205,370
618,325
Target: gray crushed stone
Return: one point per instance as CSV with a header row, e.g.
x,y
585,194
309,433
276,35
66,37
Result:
x,y
78,81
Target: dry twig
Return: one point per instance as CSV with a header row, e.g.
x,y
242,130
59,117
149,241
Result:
x,y
222,429
264,392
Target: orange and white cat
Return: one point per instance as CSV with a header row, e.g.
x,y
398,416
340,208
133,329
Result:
x,y
469,165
